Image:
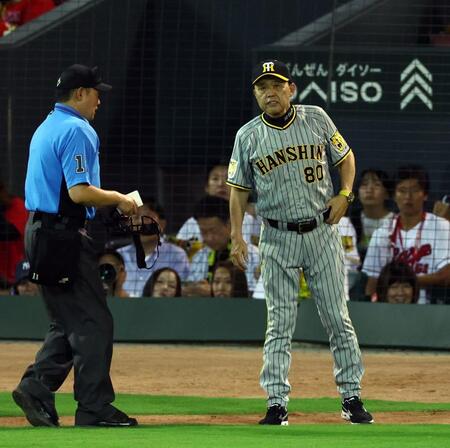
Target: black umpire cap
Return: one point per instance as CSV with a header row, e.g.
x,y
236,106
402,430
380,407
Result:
x,y
271,68
78,75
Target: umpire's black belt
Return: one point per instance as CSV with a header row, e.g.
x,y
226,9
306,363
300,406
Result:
x,y
53,220
301,226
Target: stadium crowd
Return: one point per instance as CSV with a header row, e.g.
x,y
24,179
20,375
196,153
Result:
x,y
395,250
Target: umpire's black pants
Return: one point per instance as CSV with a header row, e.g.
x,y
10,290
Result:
x,y
80,335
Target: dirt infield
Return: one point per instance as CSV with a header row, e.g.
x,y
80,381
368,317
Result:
x,y
232,371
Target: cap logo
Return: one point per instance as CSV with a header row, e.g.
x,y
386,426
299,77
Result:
x,y
58,82
268,67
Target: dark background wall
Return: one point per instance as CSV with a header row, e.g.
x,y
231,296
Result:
x,y
180,71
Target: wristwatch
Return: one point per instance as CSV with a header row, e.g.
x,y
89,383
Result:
x,y
348,194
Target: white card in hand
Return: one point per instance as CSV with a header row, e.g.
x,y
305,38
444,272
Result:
x,y
137,197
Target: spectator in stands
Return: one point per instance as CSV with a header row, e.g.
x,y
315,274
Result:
x,y
13,217
156,257
435,24
23,286
414,237
442,207
16,13
212,215
164,282
113,273
228,281
397,284
3,25
216,186
370,209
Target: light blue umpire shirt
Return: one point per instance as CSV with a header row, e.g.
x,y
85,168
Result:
x,y
64,152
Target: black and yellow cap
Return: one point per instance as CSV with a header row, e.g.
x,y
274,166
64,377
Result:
x,y
270,68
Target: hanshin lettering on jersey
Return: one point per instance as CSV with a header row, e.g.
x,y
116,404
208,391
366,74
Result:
x,y
289,154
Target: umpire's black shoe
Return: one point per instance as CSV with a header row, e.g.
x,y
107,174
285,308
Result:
x,y
117,420
276,415
354,411
36,412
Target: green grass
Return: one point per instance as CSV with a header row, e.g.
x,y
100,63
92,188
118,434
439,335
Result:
x,y
176,405
199,436
227,436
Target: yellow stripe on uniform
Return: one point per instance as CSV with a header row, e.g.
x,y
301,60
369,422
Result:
x,y
343,158
240,187
294,116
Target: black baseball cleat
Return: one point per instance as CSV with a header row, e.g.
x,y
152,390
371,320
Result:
x,y
36,412
354,411
276,415
117,420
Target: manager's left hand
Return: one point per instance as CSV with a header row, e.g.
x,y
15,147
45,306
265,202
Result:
x,y
338,206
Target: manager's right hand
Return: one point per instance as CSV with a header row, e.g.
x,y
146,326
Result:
x,y
239,253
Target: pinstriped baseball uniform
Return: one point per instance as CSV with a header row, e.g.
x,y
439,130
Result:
x,y
288,167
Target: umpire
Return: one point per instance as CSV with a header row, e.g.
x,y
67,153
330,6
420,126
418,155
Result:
x,y
62,190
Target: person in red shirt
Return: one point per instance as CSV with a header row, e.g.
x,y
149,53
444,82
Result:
x,y
3,27
3,24
18,12
13,217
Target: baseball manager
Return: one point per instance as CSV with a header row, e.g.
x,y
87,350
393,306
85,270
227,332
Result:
x,y
285,156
